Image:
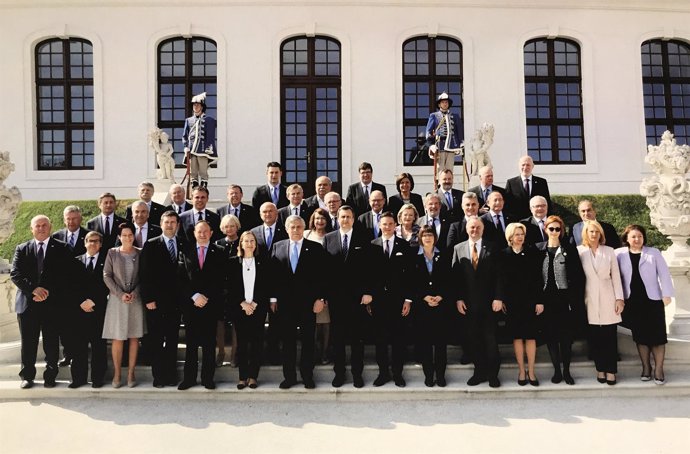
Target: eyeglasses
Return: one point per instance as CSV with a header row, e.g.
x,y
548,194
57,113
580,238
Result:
x,y
554,229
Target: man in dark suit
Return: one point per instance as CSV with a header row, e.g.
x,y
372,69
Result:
x,y
297,205
349,295
161,291
146,191
535,223
496,221
333,202
521,189
587,213
485,187
245,213
358,193
370,220
392,300
143,228
87,315
435,216
323,186
272,191
478,299
178,201
107,221
270,231
205,271
451,199
298,265
73,234
189,218
457,233
39,270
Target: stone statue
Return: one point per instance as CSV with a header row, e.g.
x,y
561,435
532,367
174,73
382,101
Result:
x,y
668,195
159,143
478,149
9,198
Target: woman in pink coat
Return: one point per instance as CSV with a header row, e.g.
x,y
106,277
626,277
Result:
x,y
603,298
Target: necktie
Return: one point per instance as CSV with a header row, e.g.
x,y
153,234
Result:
x,y
345,244
541,230
376,225
275,195
432,221
171,250
449,200
40,255
90,266
72,239
201,257
499,226
527,185
201,216
486,194
387,249
294,211
234,212
366,192
269,238
475,256
139,238
334,223
107,226
179,209
294,257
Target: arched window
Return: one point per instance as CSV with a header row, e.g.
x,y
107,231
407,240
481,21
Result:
x,y
186,67
553,101
64,98
430,67
666,88
310,110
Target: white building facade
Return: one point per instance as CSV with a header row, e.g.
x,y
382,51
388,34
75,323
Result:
x,y
324,85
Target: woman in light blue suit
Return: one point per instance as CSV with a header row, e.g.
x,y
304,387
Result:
x,y
647,287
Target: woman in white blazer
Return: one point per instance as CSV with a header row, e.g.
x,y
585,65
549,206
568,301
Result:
x,y
647,287
603,298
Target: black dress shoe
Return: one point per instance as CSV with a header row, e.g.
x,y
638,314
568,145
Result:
x,y
157,384
49,383
523,382
557,378
186,385
441,381
382,379
494,382
253,385
171,383
399,381
309,383
76,384
26,384
65,362
475,380
357,381
287,384
534,382
568,378
429,382
601,379
338,381
209,384
97,384
465,359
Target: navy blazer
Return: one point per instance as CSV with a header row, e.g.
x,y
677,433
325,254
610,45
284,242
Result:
x,y
296,291
262,195
279,234
187,221
90,284
391,284
155,213
210,281
356,199
79,245
248,217
160,276
455,213
352,270
395,203
96,224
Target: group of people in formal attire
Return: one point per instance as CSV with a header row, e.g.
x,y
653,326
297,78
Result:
x,y
394,271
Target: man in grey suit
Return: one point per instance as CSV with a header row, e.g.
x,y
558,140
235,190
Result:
x,y
587,213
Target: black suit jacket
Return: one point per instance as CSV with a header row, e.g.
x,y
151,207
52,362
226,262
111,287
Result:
x,y
480,195
352,270
248,217
492,234
79,246
96,224
517,200
457,233
534,232
262,195
477,288
279,234
90,285
365,223
441,241
210,281
356,199
296,292
395,202
187,206
155,213
153,231
313,202
434,320
304,213
160,277
58,264
187,221
391,284
455,213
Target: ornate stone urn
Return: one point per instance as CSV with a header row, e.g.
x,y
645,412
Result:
x,y
668,195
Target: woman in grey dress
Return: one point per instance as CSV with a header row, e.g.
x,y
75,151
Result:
x,y
124,316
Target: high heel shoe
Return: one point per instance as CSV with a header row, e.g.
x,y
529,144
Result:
x,y
523,381
611,382
534,382
131,382
601,379
116,383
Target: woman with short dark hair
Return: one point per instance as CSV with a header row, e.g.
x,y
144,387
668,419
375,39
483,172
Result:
x,y
404,183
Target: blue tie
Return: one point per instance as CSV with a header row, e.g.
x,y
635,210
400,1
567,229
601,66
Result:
x,y
275,195
171,250
376,225
294,257
449,200
269,239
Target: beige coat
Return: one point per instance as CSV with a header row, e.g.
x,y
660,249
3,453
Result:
x,y
603,285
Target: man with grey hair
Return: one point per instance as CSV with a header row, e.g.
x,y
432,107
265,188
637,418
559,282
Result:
x,y
521,189
146,190
333,202
539,206
40,270
435,217
323,186
299,292
485,187
457,233
143,228
73,234
178,201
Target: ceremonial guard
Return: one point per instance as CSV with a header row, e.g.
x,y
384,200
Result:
x,y
199,140
443,135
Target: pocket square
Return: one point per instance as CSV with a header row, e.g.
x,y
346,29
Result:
x,y
398,253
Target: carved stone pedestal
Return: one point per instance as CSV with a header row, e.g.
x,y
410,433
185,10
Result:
x,y
680,326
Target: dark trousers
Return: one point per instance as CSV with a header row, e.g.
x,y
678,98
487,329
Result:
x,y
36,320
349,326
161,341
603,345
289,322
250,340
87,330
201,332
481,332
390,330
434,358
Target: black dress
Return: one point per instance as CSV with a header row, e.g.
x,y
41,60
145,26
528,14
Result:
x,y
521,281
645,317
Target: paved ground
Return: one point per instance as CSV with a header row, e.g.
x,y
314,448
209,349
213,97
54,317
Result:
x,y
587,425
